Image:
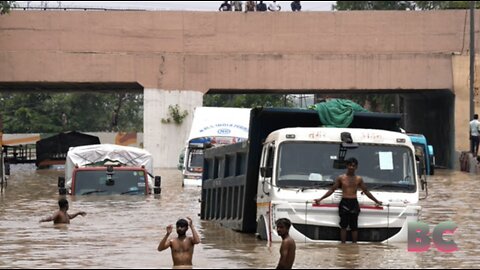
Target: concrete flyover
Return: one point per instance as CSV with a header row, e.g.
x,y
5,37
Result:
x,y
176,57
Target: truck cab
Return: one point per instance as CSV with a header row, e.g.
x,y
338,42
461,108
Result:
x,y
106,169
299,165
424,153
291,158
211,127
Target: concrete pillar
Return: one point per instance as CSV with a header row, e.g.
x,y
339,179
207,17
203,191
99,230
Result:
x,y
462,103
164,140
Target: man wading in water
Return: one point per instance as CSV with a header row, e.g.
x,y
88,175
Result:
x,y
182,246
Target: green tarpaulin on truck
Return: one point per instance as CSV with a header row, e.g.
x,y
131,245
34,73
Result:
x,y
337,112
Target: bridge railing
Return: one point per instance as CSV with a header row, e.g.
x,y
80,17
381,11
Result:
x,y
24,153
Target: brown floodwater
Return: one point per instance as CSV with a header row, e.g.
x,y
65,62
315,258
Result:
x,y
124,231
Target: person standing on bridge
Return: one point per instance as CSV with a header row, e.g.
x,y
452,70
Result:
x,y
249,6
261,6
274,6
474,135
296,6
182,246
225,6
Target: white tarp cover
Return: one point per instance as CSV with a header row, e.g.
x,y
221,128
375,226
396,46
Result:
x,y
82,156
220,121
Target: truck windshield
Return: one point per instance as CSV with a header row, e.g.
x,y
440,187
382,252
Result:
x,y
310,165
195,160
120,182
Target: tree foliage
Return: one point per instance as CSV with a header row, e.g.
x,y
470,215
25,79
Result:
x,y
5,6
374,5
247,100
432,5
402,5
88,112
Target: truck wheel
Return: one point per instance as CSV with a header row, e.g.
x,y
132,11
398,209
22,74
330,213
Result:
x,y
261,229
432,169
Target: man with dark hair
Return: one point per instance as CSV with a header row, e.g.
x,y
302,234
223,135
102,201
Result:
x,y
225,6
287,249
474,135
61,216
296,6
261,6
182,246
349,209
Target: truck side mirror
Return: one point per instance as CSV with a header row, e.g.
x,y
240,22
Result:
x,y
266,171
421,167
61,186
156,188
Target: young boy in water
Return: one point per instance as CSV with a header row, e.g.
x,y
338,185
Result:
x,y
61,216
288,247
182,246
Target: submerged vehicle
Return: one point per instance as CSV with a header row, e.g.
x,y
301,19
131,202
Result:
x,y
52,151
108,169
288,161
423,152
211,127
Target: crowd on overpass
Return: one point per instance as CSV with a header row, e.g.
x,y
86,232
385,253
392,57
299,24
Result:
x,y
254,6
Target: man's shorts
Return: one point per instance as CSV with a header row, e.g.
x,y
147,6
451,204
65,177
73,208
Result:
x,y
349,209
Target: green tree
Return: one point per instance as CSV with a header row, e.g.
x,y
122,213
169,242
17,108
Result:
x,y
401,5
374,5
88,112
247,100
5,6
431,5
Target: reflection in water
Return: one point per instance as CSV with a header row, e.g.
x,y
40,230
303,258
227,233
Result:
x,y
122,231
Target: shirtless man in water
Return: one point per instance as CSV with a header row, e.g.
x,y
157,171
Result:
x,y
182,246
61,216
287,249
349,209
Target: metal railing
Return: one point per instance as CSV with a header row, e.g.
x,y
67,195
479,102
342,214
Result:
x,y
25,153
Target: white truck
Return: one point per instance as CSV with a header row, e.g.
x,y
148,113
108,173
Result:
x,y
107,169
211,127
288,161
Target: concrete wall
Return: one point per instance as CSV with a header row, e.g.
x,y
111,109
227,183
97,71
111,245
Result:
x,y
461,78
166,140
178,56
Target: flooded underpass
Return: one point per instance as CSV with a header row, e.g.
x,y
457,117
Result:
x,y
124,231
